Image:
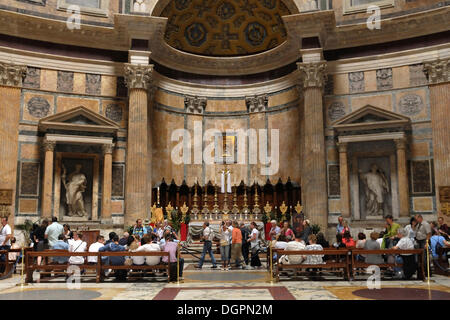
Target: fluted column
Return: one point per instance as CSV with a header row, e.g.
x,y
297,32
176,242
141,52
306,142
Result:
x,y
10,87
107,182
344,185
138,80
47,185
439,84
314,184
402,173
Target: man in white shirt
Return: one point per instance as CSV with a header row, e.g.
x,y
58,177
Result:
x,y
295,245
5,237
208,236
100,242
148,245
77,245
53,231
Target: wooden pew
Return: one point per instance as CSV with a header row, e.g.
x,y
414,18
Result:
x,y
338,261
360,264
99,267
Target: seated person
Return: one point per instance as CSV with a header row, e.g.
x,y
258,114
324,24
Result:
x,y
172,248
149,244
436,241
348,240
373,244
313,246
94,248
77,245
114,246
409,262
339,244
295,245
60,244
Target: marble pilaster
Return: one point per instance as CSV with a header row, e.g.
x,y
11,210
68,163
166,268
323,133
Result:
x,y
10,87
402,173
137,203
107,181
47,193
439,84
314,184
343,177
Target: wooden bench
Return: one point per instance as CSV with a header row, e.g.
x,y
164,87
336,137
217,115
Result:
x,y
8,264
362,265
440,265
337,261
98,267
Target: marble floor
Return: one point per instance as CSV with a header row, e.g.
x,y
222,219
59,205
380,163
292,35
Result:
x,y
213,284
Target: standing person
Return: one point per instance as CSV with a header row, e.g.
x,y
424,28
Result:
x,y
172,248
274,230
410,228
77,245
40,243
254,246
5,237
423,232
306,230
443,228
286,234
208,236
53,231
408,260
236,245
245,232
67,233
224,245
139,228
340,225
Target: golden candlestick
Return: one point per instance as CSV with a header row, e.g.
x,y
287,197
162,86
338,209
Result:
x,y
298,208
283,209
184,209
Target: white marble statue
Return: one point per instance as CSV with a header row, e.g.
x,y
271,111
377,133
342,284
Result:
x,y
375,188
75,185
139,6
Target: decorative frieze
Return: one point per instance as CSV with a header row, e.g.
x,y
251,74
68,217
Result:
x,y
65,81
336,110
138,76
356,82
384,79
38,107
93,83
313,74
257,103
32,78
11,74
417,76
438,71
196,105
411,104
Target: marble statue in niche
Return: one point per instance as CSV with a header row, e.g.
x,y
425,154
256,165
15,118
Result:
x,y
375,187
75,185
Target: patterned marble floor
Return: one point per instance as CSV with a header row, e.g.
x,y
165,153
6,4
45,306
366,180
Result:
x,y
209,284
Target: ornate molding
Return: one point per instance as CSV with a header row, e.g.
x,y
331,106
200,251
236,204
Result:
x,y
400,143
107,148
11,74
48,145
258,103
313,74
196,105
438,71
342,147
138,76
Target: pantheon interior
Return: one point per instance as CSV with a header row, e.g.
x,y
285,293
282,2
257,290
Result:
x,y
337,107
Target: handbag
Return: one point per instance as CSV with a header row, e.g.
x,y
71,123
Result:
x,y
128,261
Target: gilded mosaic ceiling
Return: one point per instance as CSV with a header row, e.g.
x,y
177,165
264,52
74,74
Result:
x,y
225,27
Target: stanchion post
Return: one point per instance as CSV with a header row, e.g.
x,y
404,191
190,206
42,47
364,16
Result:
x,y
22,280
271,261
178,262
428,261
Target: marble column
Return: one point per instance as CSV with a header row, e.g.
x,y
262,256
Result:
x,y
402,174
47,185
137,204
439,85
107,182
10,88
314,183
344,184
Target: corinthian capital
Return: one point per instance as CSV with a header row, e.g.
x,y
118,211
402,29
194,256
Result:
x,y
107,148
438,71
313,74
48,145
11,74
138,76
